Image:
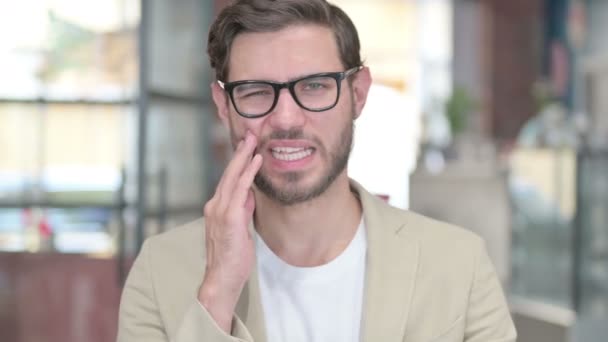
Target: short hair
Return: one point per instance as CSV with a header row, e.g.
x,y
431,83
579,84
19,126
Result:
x,y
274,15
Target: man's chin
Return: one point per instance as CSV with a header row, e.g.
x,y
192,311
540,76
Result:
x,y
291,188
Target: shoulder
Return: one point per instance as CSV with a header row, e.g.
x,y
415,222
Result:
x,y
181,244
179,236
429,232
445,253
441,245
439,234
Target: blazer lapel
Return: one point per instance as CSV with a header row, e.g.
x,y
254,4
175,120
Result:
x,y
392,264
249,307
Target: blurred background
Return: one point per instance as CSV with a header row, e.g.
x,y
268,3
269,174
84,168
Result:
x,y
490,114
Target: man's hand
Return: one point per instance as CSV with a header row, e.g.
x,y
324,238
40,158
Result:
x,y
229,245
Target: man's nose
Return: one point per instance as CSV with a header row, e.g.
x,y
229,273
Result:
x,y
287,113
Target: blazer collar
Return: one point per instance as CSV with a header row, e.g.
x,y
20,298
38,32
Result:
x,y
392,264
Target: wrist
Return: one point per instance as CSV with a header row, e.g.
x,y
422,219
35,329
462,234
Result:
x,y
218,302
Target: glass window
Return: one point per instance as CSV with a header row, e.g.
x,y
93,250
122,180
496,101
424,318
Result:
x,y
64,121
59,49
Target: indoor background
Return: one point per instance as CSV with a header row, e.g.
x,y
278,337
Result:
x,y
489,114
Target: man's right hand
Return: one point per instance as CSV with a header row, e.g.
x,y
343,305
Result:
x,y
229,244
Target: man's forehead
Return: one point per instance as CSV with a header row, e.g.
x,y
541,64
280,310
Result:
x,y
293,51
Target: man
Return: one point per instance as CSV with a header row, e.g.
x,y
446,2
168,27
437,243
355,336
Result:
x,y
290,249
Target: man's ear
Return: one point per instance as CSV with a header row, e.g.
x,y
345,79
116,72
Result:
x,y
220,98
361,84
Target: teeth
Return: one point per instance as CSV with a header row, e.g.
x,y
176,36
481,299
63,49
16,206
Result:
x,y
291,153
288,149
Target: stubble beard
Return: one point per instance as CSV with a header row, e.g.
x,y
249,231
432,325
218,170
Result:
x,y
292,192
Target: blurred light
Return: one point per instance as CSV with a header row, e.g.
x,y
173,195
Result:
x,y
98,16
386,144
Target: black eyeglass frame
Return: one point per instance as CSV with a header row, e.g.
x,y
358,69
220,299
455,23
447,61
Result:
x,y
277,86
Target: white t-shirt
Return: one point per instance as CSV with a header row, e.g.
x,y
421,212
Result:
x,y
313,304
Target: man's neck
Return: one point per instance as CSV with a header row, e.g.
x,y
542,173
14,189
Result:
x,y
310,233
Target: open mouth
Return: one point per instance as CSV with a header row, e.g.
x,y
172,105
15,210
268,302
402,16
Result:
x,y
291,153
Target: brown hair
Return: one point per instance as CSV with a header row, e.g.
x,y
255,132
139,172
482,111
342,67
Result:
x,y
274,15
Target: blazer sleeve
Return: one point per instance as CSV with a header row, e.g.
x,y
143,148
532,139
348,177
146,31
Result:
x,y
488,318
139,318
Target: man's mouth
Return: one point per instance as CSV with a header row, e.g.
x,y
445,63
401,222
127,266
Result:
x,y
291,153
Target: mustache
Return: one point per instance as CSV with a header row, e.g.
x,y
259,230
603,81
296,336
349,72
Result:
x,y
295,133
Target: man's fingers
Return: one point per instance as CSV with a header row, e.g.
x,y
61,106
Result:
x,y
250,204
222,179
236,167
246,181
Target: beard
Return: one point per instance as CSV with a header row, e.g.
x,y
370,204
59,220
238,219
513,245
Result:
x,y
291,192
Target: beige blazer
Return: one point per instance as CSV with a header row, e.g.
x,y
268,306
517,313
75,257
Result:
x,y
426,281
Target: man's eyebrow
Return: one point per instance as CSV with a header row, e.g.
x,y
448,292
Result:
x,y
298,77
290,79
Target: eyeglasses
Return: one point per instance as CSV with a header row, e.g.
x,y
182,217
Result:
x,y
315,93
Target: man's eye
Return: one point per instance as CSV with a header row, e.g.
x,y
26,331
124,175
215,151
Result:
x,y
256,93
249,91
314,86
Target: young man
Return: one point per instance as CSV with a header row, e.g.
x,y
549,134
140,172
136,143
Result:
x,y
290,249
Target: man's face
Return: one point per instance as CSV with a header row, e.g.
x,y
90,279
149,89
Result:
x,y
303,152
